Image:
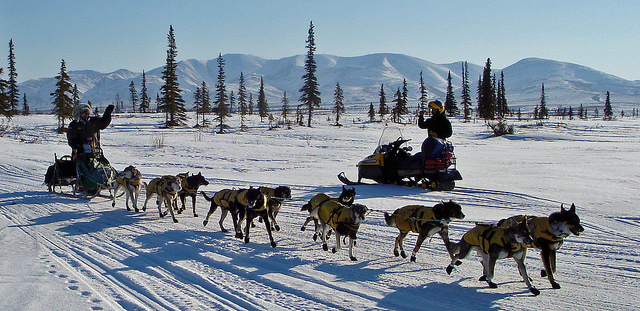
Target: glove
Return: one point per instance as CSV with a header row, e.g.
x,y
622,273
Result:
x,y
109,109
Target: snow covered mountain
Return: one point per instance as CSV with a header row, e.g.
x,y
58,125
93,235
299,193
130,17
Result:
x,y
360,78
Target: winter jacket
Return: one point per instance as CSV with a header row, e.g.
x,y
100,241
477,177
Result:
x,y
81,133
438,123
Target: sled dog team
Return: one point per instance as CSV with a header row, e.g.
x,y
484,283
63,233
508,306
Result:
x,y
508,238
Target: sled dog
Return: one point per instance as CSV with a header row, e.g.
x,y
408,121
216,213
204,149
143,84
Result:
x,y
275,198
346,197
258,209
493,243
426,221
130,180
345,220
190,186
548,233
234,202
167,188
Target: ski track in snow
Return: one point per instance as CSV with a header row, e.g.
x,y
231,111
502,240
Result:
x,y
113,259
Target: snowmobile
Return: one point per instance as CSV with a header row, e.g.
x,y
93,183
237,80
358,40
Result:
x,y
393,163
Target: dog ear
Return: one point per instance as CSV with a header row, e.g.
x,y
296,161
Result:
x,y
573,208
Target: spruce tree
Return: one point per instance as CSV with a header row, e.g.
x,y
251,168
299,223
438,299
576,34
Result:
x,y
242,102
501,100
450,105
25,105
310,89
424,100
202,103
222,110
13,93
338,98
134,96
61,98
486,94
76,95
608,110
285,108
382,107
145,101
466,93
263,106
405,93
5,102
371,113
543,112
399,108
171,101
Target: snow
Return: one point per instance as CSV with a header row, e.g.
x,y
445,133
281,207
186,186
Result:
x,y
66,252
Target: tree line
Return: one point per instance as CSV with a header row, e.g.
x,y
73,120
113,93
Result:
x,y
491,97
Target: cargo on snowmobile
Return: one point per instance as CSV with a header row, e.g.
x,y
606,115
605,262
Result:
x,y
393,163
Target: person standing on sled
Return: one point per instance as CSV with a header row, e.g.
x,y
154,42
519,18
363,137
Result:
x,y
83,136
439,129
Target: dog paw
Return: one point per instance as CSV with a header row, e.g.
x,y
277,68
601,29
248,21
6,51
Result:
x,y
543,273
273,244
534,290
555,285
175,220
482,278
334,250
492,285
413,258
458,262
449,269
195,215
246,240
403,254
303,228
353,258
277,228
239,235
113,204
325,247
395,253
205,222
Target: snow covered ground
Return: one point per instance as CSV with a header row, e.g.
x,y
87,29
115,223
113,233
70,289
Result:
x,y
64,252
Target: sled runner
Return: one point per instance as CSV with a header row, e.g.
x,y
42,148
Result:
x,y
61,174
393,163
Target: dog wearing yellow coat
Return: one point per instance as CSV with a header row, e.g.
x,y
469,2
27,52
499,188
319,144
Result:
x,y
167,188
130,180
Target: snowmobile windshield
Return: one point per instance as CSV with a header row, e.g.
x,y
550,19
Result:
x,y
390,135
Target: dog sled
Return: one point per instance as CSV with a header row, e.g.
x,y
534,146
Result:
x,y
87,175
393,163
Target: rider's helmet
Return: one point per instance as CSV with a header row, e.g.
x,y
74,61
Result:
x,y
79,109
436,104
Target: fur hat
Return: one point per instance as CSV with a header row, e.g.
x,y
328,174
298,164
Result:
x,y
78,109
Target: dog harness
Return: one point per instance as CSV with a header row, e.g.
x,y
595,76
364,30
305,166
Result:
x,y
225,197
414,217
539,226
338,217
484,236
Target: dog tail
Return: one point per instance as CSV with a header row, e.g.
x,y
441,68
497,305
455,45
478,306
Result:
x,y
206,197
306,207
390,219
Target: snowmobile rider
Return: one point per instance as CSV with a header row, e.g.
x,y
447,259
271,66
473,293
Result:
x,y
438,126
84,132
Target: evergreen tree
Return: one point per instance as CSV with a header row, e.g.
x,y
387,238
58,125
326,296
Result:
x,y
134,96
13,93
466,93
285,108
263,106
486,94
501,100
424,100
61,98
202,103
608,110
171,101
382,107
145,101
232,102
310,89
400,108
581,112
405,92
543,112
242,102
25,104
570,113
450,105
338,98
5,102
371,113
76,95
251,105
222,110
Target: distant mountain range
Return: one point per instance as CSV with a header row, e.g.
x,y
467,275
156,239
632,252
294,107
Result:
x,y
360,78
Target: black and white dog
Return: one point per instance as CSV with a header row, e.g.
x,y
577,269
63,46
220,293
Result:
x,y
190,186
548,233
493,243
130,180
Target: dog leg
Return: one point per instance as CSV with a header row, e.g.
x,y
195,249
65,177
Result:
x,y
323,236
489,264
400,244
225,211
265,216
134,197
247,226
169,200
338,246
421,237
460,251
546,254
352,242
193,203
237,222
519,257
115,192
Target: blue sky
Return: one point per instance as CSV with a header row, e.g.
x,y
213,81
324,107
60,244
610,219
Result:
x,y
109,35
